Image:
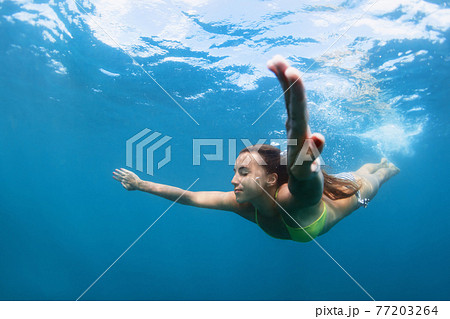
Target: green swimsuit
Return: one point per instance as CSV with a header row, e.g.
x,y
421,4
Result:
x,y
301,234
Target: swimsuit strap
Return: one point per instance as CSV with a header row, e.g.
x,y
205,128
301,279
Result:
x,y
349,176
276,193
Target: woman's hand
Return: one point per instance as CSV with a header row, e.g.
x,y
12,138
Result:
x,y
128,179
304,149
297,127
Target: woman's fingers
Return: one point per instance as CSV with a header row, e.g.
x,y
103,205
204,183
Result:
x,y
271,67
126,178
295,84
129,173
281,65
319,141
119,172
294,92
298,111
118,178
278,65
124,171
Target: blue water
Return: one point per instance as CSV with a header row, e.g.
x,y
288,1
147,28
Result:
x,y
70,99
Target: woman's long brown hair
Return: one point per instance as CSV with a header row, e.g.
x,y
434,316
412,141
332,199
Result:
x,y
334,188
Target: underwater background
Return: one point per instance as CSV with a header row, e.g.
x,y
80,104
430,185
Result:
x,y
78,79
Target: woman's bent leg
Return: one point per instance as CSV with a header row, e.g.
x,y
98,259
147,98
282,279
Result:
x,y
380,173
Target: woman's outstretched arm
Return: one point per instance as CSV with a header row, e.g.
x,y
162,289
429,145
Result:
x,y
305,177
213,200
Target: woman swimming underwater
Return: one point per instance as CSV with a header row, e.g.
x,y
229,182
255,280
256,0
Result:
x,y
291,199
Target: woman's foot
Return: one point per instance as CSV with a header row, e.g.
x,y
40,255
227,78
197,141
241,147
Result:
x,y
394,169
387,171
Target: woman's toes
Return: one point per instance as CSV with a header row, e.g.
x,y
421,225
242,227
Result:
x,y
394,169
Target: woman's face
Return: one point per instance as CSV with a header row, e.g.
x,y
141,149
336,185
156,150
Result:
x,y
247,175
